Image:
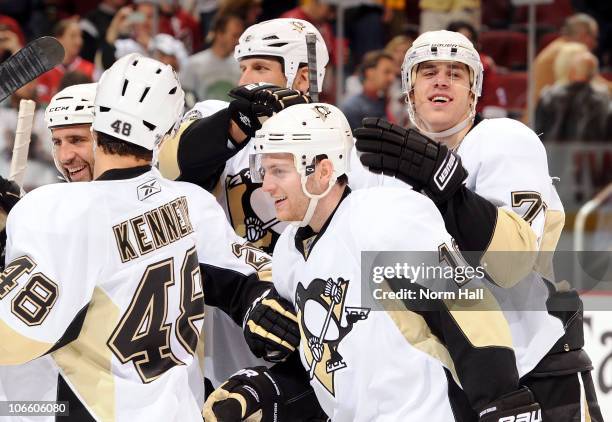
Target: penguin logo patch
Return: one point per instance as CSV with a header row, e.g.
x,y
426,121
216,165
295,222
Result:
x,y
322,111
252,212
324,322
298,26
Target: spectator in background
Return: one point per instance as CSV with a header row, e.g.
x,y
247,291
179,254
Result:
x,y
378,71
575,108
212,73
176,21
94,25
493,98
68,33
11,37
205,10
168,50
397,110
438,14
248,10
365,28
73,78
579,28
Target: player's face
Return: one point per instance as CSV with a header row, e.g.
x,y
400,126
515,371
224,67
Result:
x,y
441,94
283,183
261,70
73,152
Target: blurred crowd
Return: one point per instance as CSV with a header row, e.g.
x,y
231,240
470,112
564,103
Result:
x,y
572,71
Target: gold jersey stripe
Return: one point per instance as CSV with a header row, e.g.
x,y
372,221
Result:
x,y
86,362
512,252
16,349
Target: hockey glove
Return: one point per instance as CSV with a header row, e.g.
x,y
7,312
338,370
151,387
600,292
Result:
x,y
426,165
10,194
518,405
254,103
250,394
270,327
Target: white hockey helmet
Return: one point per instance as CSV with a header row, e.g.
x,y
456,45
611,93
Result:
x,y
441,46
73,105
305,131
139,100
284,38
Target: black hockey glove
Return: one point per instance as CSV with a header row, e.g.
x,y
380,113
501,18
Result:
x,y
253,103
270,327
519,405
10,194
426,165
250,392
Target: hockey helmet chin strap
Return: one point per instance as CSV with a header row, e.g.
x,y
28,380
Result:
x,y
314,200
450,131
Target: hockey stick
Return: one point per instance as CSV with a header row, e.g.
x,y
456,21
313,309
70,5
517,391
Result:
x,y
19,162
311,51
36,58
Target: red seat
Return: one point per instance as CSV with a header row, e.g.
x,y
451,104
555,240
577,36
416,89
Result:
x,y
552,15
508,48
515,85
496,14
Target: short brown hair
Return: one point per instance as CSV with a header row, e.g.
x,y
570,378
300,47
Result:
x,y
111,145
371,59
60,28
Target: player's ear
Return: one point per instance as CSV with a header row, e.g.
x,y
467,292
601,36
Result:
x,y
301,80
326,171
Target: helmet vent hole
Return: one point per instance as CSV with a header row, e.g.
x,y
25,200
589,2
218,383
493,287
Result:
x,y
270,37
144,94
303,123
453,50
135,63
64,98
278,44
434,49
125,84
104,109
79,107
150,126
158,71
172,91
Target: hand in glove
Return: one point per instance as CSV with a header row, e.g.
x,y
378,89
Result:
x,y
270,327
426,165
254,103
250,394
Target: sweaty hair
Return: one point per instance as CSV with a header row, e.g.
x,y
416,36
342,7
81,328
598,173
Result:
x,y
111,145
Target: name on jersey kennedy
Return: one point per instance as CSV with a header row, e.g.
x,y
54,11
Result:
x,y
153,230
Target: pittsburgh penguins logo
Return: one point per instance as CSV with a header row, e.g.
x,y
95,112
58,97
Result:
x,y
322,111
252,212
324,322
298,26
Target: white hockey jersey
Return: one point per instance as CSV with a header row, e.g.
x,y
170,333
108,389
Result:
x,y
251,212
365,364
115,266
507,165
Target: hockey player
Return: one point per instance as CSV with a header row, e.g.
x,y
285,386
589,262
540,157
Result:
x,y
68,116
489,179
109,277
364,364
211,151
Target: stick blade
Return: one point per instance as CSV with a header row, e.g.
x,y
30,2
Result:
x,y
36,58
